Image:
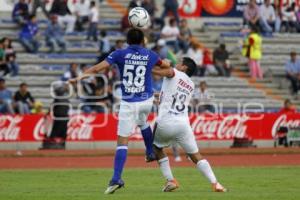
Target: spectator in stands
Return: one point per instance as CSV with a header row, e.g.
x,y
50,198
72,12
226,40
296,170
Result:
x,y
171,6
3,63
292,68
54,35
104,46
20,13
125,25
150,6
208,63
93,22
251,14
118,45
196,53
28,35
202,99
6,100
288,107
277,8
170,33
267,17
71,73
61,9
10,55
38,108
23,99
39,3
289,17
102,103
60,111
135,3
89,84
252,49
82,12
185,35
221,61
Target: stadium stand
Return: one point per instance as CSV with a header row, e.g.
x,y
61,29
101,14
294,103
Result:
x,y
39,70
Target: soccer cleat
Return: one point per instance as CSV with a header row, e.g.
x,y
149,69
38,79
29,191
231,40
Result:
x,y
217,187
113,186
150,157
171,186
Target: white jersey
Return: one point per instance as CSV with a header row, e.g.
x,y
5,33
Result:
x,y
173,122
175,96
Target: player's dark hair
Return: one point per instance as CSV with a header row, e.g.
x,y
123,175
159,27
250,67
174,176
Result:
x,y
93,3
135,36
103,33
31,17
23,84
172,21
190,63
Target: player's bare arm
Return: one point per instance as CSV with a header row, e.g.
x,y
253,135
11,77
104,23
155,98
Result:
x,y
98,68
166,72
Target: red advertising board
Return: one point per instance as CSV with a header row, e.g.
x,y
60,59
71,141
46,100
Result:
x,y
104,127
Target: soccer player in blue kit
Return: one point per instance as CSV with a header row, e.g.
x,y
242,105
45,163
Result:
x,y
136,65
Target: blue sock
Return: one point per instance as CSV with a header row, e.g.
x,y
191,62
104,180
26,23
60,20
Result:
x,y
120,159
148,139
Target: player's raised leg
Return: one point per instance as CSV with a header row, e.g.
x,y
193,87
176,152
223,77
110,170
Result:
x,y
164,165
148,140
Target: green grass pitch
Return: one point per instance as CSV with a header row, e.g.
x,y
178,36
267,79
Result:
x,y
267,183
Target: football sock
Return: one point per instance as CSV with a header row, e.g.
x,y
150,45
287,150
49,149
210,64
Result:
x,y
205,168
120,159
148,138
165,168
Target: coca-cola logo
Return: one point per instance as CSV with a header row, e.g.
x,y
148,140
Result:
x,y
79,128
9,129
220,128
282,121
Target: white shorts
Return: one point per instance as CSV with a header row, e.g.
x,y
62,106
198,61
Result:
x,y
133,114
168,131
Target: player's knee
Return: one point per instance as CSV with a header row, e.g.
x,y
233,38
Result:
x,y
196,157
158,152
122,140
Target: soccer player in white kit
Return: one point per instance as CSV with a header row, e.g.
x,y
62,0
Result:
x,y
173,124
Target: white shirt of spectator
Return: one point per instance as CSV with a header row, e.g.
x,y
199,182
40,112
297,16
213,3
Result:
x,y
267,12
94,15
203,97
170,33
288,16
196,55
83,9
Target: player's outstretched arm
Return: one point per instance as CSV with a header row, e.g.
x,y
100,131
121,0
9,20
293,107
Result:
x,y
100,67
166,72
165,64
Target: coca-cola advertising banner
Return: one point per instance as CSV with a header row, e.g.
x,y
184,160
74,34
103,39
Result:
x,y
101,127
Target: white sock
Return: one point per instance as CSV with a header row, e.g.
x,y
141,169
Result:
x,y
204,167
165,168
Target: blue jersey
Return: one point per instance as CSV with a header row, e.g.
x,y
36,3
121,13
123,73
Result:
x,y
135,64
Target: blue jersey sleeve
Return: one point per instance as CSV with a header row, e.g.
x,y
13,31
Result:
x,y
113,57
154,58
